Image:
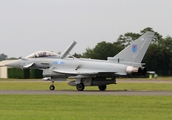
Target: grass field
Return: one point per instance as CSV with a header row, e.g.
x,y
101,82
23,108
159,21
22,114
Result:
x,y
14,84
83,107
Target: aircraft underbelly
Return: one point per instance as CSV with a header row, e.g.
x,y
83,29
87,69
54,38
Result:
x,y
93,82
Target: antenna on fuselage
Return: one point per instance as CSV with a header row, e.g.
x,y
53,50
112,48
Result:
x,y
69,48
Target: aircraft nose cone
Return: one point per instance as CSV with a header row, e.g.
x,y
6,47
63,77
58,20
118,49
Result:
x,y
15,64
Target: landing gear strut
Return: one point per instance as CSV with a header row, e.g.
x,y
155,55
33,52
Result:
x,y
80,86
52,87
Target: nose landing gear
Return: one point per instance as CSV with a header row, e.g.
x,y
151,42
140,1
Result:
x,y
52,87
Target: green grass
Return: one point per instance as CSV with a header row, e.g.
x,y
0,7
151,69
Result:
x,y
42,85
85,107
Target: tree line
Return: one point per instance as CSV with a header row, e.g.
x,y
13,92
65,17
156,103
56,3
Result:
x,y
158,57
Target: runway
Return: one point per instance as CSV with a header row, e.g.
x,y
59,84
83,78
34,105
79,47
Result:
x,y
87,92
97,92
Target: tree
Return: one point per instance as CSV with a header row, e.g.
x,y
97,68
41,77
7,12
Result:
x,y
127,38
103,50
156,37
88,53
165,46
77,55
3,57
158,56
152,57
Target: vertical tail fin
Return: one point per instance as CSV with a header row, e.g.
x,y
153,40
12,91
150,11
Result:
x,y
136,50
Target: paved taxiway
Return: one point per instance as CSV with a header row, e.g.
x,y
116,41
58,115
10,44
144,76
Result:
x,y
88,92
97,92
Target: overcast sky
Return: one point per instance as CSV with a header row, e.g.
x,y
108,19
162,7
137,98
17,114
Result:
x,y
27,26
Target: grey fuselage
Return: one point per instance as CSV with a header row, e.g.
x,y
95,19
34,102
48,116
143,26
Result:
x,y
72,66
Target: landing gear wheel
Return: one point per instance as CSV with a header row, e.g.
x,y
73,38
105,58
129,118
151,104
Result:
x,y
52,87
102,87
80,86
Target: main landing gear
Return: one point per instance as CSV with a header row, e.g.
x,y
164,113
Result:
x,y
102,87
80,86
52,87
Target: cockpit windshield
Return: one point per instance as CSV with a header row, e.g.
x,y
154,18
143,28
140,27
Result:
x,y
42,54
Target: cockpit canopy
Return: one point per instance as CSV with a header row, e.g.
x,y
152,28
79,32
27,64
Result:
x,y
39,54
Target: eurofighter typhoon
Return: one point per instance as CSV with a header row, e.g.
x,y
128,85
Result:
x,y
88,72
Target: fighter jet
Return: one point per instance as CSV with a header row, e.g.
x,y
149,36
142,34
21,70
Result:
x,y
88,72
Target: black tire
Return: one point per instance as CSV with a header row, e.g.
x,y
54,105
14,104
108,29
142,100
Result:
x,y
102,87
80,87
52,87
